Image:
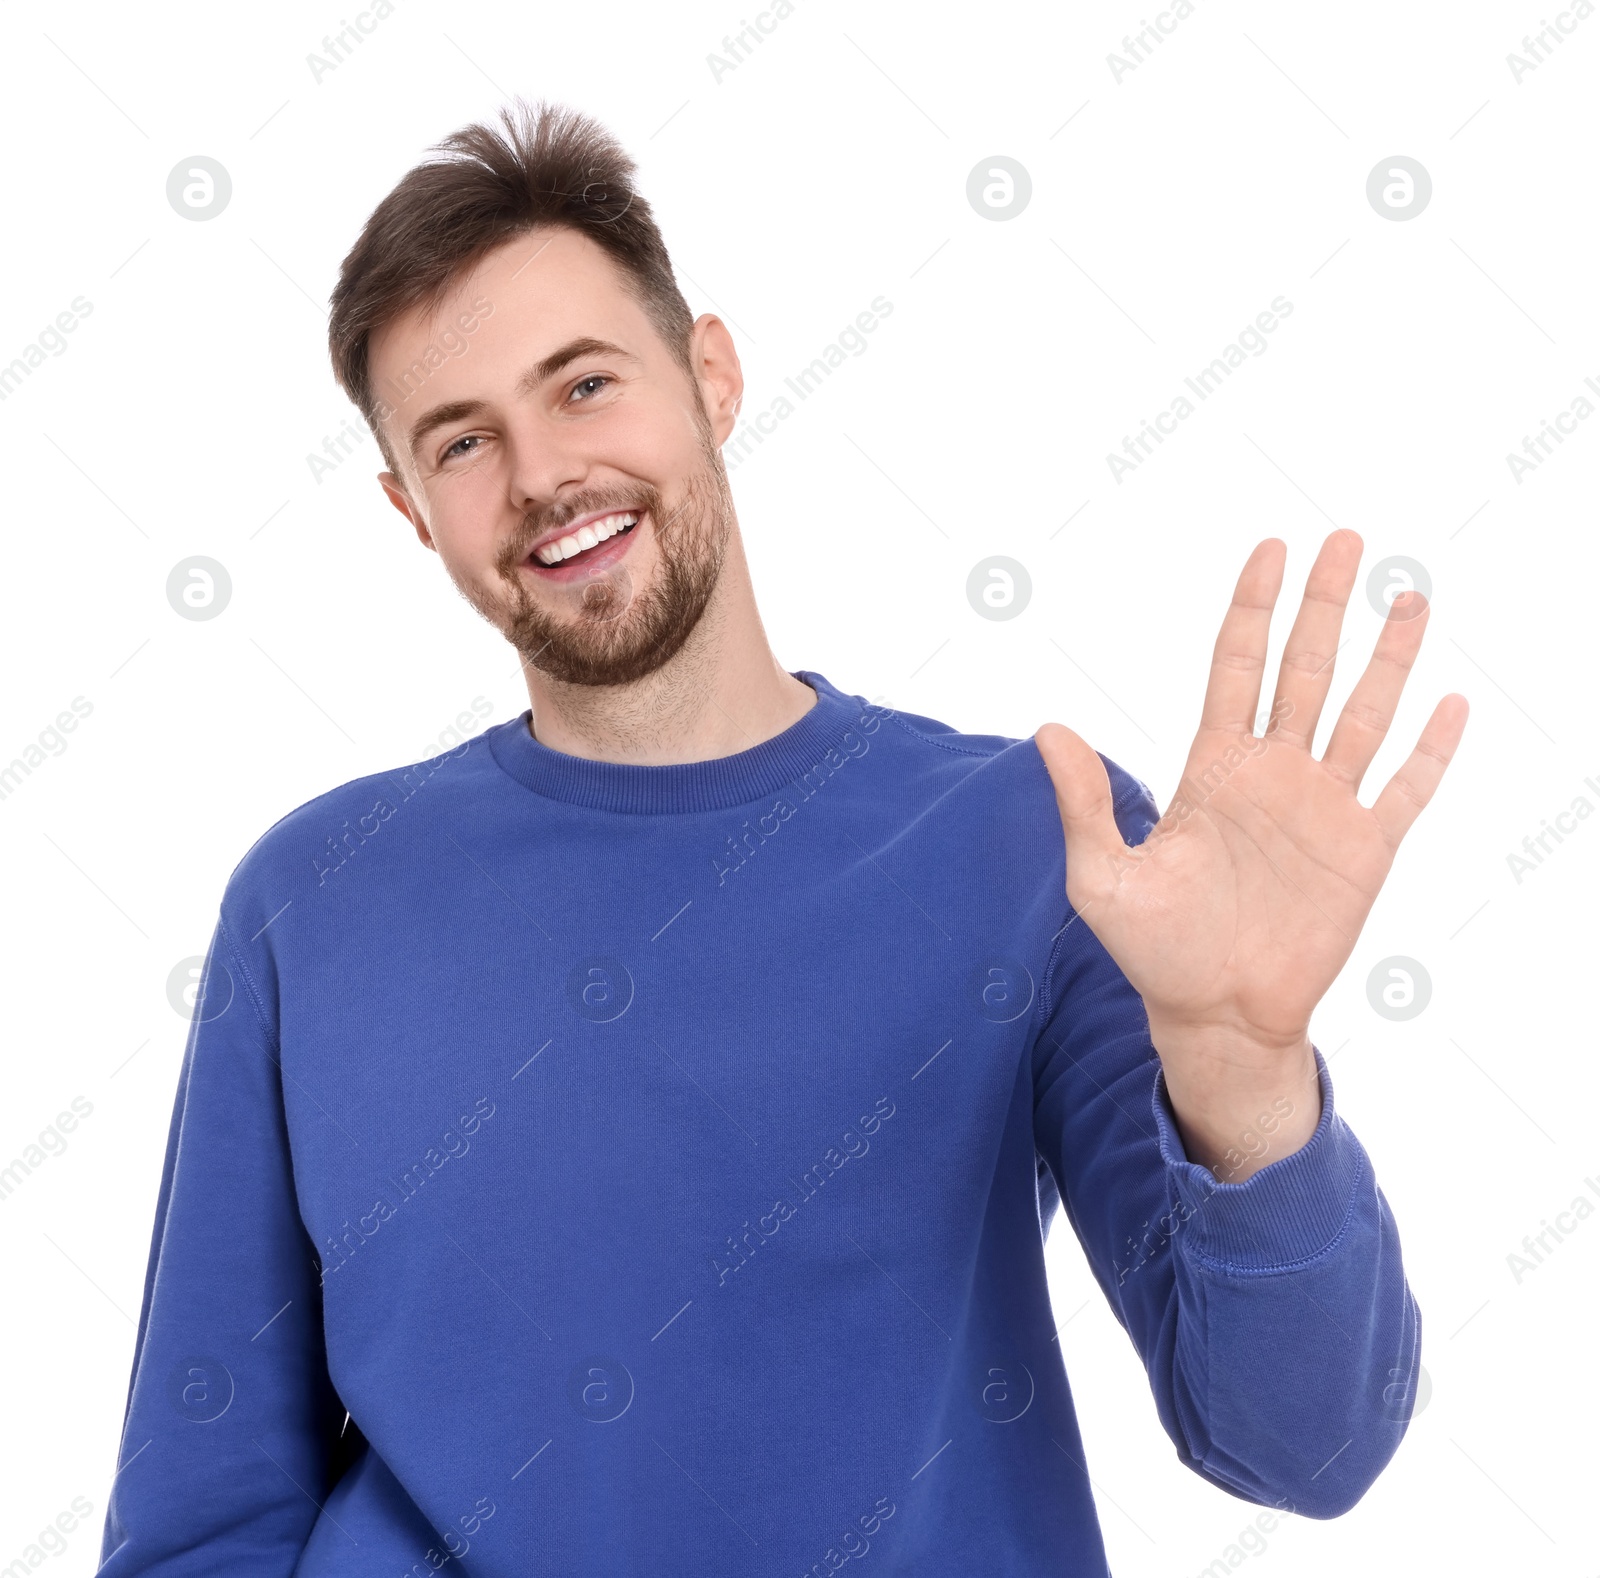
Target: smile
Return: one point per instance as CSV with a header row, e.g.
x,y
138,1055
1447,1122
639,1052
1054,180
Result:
x,y
592,546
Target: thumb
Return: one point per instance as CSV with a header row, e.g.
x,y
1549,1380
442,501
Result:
x,y
1083,796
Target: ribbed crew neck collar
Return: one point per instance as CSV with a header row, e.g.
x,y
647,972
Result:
x,y
710,785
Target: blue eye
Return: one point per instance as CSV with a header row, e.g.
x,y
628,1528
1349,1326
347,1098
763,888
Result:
x,y
593,378
455,449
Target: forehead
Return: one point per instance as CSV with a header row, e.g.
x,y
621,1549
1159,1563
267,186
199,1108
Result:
x,y
529,294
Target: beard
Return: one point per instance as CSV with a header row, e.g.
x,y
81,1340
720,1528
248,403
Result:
x,y
615,635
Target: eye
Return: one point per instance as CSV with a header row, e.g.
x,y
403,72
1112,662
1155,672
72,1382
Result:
x,y
454,449
593,378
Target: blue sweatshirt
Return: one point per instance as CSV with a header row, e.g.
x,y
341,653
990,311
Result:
x,y
581,1168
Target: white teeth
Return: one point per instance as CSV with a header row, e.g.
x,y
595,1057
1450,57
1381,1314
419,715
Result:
x,y
585,537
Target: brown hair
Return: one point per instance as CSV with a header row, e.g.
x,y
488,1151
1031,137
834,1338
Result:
x,y
550,166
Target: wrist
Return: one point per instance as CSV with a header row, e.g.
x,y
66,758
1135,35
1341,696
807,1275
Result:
x,y
1230,1042
1240,1101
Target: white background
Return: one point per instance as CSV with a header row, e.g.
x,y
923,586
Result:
x,y
831,167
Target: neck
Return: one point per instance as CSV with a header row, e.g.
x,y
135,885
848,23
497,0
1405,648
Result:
x,y
724,691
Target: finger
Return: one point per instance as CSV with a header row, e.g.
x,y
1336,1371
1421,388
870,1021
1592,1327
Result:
x,y
1308,654
1418,776
1369,711
1240,655
1083,796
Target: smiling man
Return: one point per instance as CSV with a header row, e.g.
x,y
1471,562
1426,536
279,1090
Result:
x,y
639,1161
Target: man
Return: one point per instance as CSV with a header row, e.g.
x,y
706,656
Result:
x,y
623,1143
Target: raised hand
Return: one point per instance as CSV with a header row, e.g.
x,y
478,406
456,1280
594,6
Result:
x,y
1238,911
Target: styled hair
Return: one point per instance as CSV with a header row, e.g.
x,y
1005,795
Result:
x,y
549,166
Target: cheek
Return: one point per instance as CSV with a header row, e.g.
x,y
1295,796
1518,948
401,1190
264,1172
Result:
x,y
469,523
470,506
652,441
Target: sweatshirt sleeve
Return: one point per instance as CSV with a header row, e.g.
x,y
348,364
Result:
x,y
1272,1316
231,1424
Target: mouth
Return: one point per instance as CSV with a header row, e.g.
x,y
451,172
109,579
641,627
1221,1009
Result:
x,y
573,553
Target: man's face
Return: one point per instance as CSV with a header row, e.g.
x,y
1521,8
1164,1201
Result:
x,y
559,408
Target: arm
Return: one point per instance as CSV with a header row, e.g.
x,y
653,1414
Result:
x,y
1272,1315
231,1421
1270,1309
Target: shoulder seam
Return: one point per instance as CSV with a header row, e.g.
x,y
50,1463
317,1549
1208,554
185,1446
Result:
x,y
386,774
251,990
929,739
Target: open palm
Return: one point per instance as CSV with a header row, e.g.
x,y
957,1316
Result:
x,y
1239,910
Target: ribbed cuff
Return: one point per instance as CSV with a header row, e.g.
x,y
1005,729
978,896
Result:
x,y
1280,1218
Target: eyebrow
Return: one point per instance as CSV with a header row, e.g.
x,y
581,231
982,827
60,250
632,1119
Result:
x,y
539,373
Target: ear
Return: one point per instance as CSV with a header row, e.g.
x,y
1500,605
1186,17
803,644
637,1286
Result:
x,y
718,373
398,497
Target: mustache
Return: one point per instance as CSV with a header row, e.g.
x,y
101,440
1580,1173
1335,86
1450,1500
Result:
x,y
636,496
640,496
